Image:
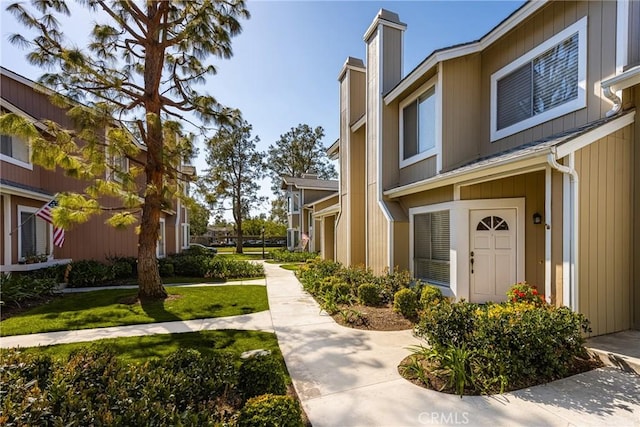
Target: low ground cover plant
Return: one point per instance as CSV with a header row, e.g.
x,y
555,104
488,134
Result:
x,y
93,387
490,348
283,255
337,289
16,289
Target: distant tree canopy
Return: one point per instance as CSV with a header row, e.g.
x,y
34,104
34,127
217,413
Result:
x,y
198,218
297,152
140,66
254,226
231,182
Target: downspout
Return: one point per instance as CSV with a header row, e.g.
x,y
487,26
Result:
x,y
617,102
572,301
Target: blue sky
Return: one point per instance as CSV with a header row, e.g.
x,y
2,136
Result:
x,y
286,61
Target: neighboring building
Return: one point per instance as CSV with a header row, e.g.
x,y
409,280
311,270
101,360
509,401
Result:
x,y
301,193
26,187
509,158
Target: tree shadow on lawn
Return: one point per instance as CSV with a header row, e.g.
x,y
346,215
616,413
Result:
x,y
155,309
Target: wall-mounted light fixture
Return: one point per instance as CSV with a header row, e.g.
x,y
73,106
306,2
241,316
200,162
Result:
x,y
537,218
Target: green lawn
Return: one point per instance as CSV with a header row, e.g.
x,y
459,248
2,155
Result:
x,y
241,257
141,349
104,308
294,266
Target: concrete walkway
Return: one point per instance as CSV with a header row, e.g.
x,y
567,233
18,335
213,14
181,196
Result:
x,y
348,377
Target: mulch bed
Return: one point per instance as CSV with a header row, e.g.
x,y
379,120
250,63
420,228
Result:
x,y
440,383
372,318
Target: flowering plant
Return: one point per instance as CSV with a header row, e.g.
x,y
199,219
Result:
x,y
524,292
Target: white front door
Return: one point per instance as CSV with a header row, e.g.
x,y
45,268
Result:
x,y
493,253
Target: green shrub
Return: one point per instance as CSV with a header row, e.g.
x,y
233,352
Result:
x,y
369,294
224,268
261,375
89,273
392,281
430,295
405,302
18,288
524,292
56,272
312,273
166,269
355,275
513,343
122,270
448,323
283,255
92,388
270,411
189,265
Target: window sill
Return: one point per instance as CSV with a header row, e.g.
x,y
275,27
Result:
x,y
432,152
35,265
16,162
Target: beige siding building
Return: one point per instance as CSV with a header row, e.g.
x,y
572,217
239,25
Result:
x,y
506,159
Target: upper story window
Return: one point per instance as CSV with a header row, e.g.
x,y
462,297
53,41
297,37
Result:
x,y
294,202
547,82
14,150
419,128
117,165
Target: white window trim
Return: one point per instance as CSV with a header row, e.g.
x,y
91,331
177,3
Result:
x,y
20,163
292,195
579,27
28,209
437,149
186,235
162,241
459,211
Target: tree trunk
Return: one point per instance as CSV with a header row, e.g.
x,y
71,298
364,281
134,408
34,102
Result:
x,y
149,282
239,242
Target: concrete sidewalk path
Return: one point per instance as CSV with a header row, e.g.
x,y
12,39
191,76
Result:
x,y
349,377
260,321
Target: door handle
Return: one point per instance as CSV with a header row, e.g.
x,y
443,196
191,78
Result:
x,y
471,260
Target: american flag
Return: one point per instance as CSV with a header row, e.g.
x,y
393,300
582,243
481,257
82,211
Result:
x,y
46,214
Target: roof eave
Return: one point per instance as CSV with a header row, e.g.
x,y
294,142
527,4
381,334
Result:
x,y
457,51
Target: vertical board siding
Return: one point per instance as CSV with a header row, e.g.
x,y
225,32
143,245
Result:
x,y
634,189
550,20
556,238
606,276
531,187
461,84
342,225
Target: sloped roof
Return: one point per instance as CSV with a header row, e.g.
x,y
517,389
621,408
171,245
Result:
x,y
534,150
310,183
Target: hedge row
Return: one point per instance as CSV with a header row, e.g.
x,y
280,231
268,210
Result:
x,y
93,388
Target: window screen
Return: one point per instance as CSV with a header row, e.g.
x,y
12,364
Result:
x,y
33,235
549,80
431,247
419,125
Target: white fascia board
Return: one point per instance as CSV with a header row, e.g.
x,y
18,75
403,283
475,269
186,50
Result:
x,y
12,108
456,52
629,78
359,123
346,67
27,194
495,170
594,135
328,211
27,82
